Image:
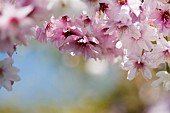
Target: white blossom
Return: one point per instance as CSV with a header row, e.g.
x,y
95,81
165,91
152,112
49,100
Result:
x,y
8,74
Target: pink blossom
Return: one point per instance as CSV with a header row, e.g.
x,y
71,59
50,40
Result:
x,y
142,16
161,18
43,34
81,40
128,28
135,64
160,53
121,10
8,74
54,31
107,40
87,46
40,8
139,37
14,23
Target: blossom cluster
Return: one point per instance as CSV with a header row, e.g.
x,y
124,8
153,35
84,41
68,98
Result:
x,y
137,31
16,21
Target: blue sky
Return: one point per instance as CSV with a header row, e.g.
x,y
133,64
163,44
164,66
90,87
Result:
x,y
45,78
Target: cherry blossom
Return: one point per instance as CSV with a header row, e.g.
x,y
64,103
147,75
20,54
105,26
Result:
x,y
160,53
14,25
136,64
138,31
164,77
162,18
125,28
8,74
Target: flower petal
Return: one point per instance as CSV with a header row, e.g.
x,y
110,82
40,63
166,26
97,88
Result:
x,y
156,83
132,74
162,74
146,73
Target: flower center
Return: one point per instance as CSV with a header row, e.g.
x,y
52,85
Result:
x,y
65,19
14,21
166,53
49,26
122,2
123,28
139,65
82,40
165,16
103,7
49,29
69,32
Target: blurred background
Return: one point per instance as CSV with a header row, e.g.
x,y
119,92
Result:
x,y
52,82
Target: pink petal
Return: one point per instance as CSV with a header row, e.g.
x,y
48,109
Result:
x,y
147,73
132,74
